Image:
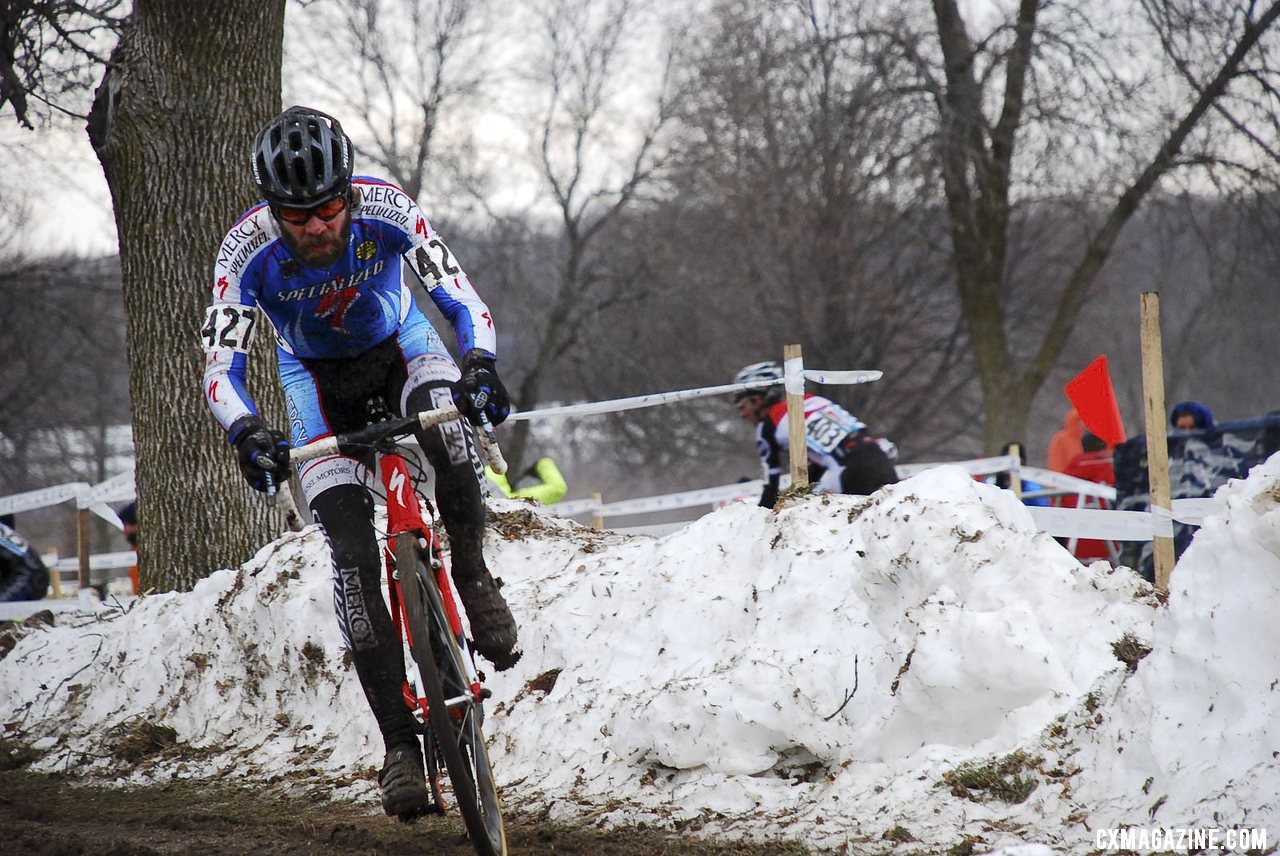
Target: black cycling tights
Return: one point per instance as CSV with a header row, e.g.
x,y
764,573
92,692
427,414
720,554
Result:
x,y
345,512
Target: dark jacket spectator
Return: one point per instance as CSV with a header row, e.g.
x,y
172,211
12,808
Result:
x,y
23,575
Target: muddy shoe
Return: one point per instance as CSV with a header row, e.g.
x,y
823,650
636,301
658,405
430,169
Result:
x,y
492,624
404,785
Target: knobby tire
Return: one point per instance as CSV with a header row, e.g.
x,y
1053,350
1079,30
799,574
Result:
x,y
458,735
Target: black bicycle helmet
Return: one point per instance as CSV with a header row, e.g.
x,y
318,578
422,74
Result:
x,y
302,157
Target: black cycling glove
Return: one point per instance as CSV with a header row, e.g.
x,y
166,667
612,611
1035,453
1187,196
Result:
x,y
260,450
480,390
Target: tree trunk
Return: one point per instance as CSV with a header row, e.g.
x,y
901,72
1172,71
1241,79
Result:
x,y
196,81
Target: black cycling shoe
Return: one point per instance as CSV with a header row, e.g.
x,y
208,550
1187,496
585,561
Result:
x,y
492,625
404,785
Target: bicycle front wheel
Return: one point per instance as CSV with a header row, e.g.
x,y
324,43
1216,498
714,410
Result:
x,y
452,709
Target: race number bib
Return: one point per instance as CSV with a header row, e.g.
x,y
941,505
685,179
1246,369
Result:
x,y
824,432
228,326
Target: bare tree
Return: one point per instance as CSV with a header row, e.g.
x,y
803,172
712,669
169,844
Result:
x,y
1044,105
595,165
413,71
51,52
172,125
803,216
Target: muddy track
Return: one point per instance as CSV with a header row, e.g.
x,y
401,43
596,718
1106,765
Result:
x,y
48,814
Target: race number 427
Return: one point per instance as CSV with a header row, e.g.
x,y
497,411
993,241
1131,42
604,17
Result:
x,y
228,326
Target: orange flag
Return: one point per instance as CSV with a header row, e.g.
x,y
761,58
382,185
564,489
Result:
x,y
1094,399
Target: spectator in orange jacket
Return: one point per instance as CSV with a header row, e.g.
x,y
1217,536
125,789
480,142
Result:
x,y
1065,444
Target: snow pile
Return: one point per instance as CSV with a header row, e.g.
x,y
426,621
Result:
x,y
916,669
1190,738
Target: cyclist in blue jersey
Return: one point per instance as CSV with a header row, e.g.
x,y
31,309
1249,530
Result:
x,y
320,261
843,457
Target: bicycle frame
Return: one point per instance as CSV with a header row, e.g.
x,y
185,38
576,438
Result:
x,y
406,512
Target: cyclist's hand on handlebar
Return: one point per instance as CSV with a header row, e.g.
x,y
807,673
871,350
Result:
x,y
480,391
260,450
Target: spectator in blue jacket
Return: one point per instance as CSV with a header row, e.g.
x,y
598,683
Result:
x,y
23,575
1191,416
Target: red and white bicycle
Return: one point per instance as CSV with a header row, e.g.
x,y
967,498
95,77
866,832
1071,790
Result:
x,y
426,617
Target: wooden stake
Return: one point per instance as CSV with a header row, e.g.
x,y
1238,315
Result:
x,y
55,575
83,546
1157,433
795,419
597,519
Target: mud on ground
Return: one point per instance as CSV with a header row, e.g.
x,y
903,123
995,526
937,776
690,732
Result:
x,y
52,814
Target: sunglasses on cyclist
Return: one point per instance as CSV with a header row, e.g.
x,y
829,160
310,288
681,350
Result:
x,y
326,211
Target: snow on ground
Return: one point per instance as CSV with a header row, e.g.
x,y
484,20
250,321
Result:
x,y
909,671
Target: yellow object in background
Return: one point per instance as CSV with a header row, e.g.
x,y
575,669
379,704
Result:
x,y
551,489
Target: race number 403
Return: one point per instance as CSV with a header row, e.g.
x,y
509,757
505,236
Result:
x,y
227,326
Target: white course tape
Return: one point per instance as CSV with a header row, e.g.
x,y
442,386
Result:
x,y
574,507
1195,509
976,467
1161,522
793,374
1097,523
616,405
849,377
99,561
687,499
115,489
1070,484
666,502
42,498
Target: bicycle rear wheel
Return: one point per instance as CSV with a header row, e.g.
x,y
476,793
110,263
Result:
x,y
454,713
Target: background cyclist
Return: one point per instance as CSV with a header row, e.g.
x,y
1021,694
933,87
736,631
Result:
x,y
843,456
321,258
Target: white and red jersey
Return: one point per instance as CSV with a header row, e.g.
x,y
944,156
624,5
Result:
x,y
828,429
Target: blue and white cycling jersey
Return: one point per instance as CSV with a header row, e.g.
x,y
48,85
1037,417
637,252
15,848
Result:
x,y
337,311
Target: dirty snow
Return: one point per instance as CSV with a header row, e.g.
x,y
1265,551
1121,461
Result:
x,y
829,673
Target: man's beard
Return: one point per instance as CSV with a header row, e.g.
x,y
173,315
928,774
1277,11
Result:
x,y
322,250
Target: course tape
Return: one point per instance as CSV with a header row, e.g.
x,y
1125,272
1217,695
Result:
x,y
42,498
1103,524
619,404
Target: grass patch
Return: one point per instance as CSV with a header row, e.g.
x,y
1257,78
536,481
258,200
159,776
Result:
x,y
1001,779
14,755
1130,650
137,739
